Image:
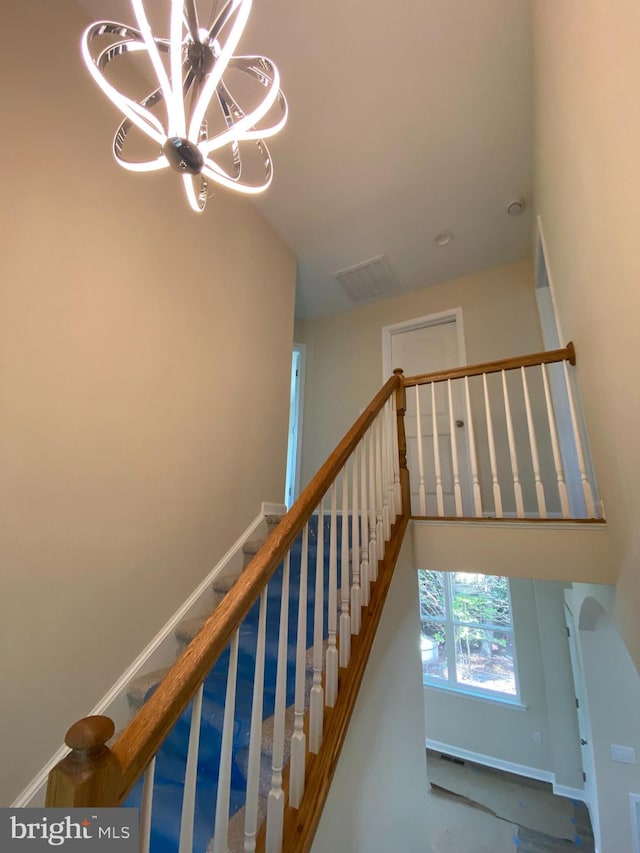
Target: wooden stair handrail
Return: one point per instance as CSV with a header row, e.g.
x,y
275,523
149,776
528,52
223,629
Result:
x,y
548,357
143,737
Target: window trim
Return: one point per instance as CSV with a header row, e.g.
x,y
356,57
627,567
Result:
x,y
452,684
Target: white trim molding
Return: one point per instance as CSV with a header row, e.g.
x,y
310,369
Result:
x,y
490,761
508,767
571,793
453,314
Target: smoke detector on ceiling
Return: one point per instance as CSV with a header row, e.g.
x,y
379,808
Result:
x,y
443,238
368,280
515,208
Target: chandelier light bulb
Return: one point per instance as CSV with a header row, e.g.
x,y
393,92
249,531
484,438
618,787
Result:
x,y
190,84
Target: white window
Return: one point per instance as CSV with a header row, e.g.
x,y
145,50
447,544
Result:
x,y
467,638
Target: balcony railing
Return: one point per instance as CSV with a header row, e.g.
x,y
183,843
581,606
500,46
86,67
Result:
x,y
501,439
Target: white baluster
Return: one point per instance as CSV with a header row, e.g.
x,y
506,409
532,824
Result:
x,y
224,776
364,522
394,507
422,497
586,485
373,524
542,505
475,481
436,452
517,486
356,604
276,798
331,682
380,524
382,474
457,491
555,447
345,595
146,807
298,738
316,698
255,738
497,497
396,455
190,776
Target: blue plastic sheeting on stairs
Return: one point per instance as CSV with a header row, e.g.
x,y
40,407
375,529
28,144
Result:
x,y
171,759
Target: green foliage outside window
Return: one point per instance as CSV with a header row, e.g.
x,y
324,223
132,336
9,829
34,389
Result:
x,y
467,632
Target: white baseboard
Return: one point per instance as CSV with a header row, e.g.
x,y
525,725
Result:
x,y
490,761
160,652
571,793
509,767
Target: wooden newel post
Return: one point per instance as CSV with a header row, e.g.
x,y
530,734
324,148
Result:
x,y
401,405
90,775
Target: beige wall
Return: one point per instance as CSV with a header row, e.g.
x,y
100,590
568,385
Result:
x,y
378,799
558,682
344,353
554,552
587,64
144,369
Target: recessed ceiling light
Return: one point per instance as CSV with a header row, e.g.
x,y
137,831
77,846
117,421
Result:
x,y
515,208
444,238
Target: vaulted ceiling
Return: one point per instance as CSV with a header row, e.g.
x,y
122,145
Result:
x,y
406,120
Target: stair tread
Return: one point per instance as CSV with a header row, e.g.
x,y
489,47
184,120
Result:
x,y
188,628
225,582
252,546
139,687
235,834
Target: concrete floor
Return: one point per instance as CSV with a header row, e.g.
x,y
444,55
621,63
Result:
x,y
460,821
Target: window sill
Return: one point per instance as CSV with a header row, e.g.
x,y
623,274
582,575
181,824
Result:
x,y
514,703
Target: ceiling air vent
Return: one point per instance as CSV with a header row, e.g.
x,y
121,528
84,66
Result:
x,y
368,280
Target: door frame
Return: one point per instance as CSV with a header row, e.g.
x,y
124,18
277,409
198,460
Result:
x,y
584,719
294,440
452,315
553,338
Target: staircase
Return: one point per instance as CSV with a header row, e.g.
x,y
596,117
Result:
x,y
271,677
140,688
171,759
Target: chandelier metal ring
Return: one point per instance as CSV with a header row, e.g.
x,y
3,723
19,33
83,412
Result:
x,y
188,86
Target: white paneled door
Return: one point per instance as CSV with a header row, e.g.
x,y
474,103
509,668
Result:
x,y
437,452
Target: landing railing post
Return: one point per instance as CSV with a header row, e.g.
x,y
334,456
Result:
x,y
90,775
401,405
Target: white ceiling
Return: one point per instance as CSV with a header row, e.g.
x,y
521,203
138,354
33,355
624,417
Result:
x,y
405,120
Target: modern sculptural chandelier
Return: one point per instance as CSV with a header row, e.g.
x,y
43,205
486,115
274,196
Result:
x,y
195,122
